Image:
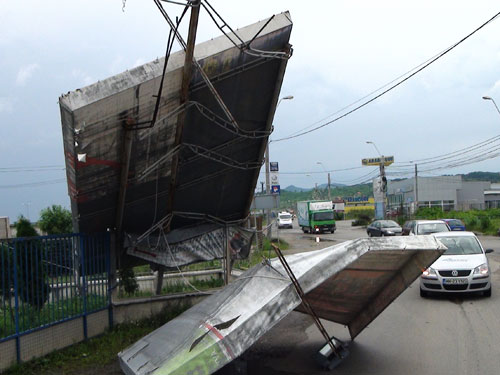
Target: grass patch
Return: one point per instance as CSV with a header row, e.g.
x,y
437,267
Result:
x,y
178,287
484,221
258,255
98,351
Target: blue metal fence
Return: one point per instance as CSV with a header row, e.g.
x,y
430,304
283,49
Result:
x,y
50,279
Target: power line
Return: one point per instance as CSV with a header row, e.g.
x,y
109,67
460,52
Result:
x,y
390,88
33,184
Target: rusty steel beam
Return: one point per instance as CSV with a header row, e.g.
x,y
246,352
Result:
x,y
184,96
126,152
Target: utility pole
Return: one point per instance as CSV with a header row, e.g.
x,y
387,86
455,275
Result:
x,y
329,193
382,183
416,188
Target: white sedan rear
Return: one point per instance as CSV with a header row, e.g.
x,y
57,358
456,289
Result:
x,y
462,268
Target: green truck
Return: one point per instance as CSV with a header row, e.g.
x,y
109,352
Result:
x,y
316,216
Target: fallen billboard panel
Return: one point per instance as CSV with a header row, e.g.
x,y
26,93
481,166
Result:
x,y
350,283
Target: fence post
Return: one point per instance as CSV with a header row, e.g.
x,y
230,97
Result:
x,y
110,247
84,286
16,305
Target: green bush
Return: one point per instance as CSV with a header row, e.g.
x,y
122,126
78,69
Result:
x,y
338,215
485,223
128,281
471,222
430,213
361,216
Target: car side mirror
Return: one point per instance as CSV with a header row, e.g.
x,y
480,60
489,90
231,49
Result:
x,y
487,251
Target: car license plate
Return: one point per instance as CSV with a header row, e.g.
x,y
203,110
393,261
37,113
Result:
x,y
454,281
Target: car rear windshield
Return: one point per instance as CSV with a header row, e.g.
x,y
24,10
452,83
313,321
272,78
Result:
x,y
461,245
388,224
285,216
319,216
432,228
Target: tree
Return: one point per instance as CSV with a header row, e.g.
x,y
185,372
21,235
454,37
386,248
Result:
x,y
24,228
55,220
32,285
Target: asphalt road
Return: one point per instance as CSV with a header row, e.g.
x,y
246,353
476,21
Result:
x,y
438,335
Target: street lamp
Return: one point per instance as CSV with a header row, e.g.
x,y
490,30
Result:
x,y
322,166
493,100
376,148
268,185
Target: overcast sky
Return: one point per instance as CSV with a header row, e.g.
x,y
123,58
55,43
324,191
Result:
x,y
343,51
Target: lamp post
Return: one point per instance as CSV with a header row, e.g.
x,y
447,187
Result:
x,y
416,187
322,166
382,176
268,184
493,100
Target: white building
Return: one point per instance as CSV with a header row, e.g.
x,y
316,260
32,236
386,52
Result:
x,y
445,192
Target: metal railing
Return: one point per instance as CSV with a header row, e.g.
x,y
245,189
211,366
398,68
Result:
x,y
47,280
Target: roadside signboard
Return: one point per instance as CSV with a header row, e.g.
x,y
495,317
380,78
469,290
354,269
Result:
x,y
275,189
275,178
265,201
273,166
388,160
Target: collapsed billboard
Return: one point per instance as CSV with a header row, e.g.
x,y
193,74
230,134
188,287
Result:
x,y
127,175
350,283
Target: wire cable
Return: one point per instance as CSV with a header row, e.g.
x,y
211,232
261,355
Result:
x,y
391,87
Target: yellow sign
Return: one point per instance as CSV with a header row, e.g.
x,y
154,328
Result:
x,y
388,160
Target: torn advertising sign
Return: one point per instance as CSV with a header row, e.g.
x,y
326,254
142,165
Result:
x,y
350,283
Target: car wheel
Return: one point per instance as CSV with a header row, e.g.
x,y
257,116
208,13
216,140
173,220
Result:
x,y
423,293
333,231
487,293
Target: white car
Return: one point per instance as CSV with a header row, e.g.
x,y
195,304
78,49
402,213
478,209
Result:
x,y
428,227
285,220
462,268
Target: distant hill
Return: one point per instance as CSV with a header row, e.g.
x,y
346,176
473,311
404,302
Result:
x,y
332,185
482,176
289,198
295,189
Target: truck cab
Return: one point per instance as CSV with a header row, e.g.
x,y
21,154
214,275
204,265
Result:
x,y
316,216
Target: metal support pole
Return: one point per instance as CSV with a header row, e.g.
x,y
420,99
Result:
x,y
84,286
159,279
227,256
16,302
329,192
184,97
110,251
416,188
382,176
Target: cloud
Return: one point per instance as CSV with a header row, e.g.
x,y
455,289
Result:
x,y
117,65
138,62
82,77
496,87
25,73
6,104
